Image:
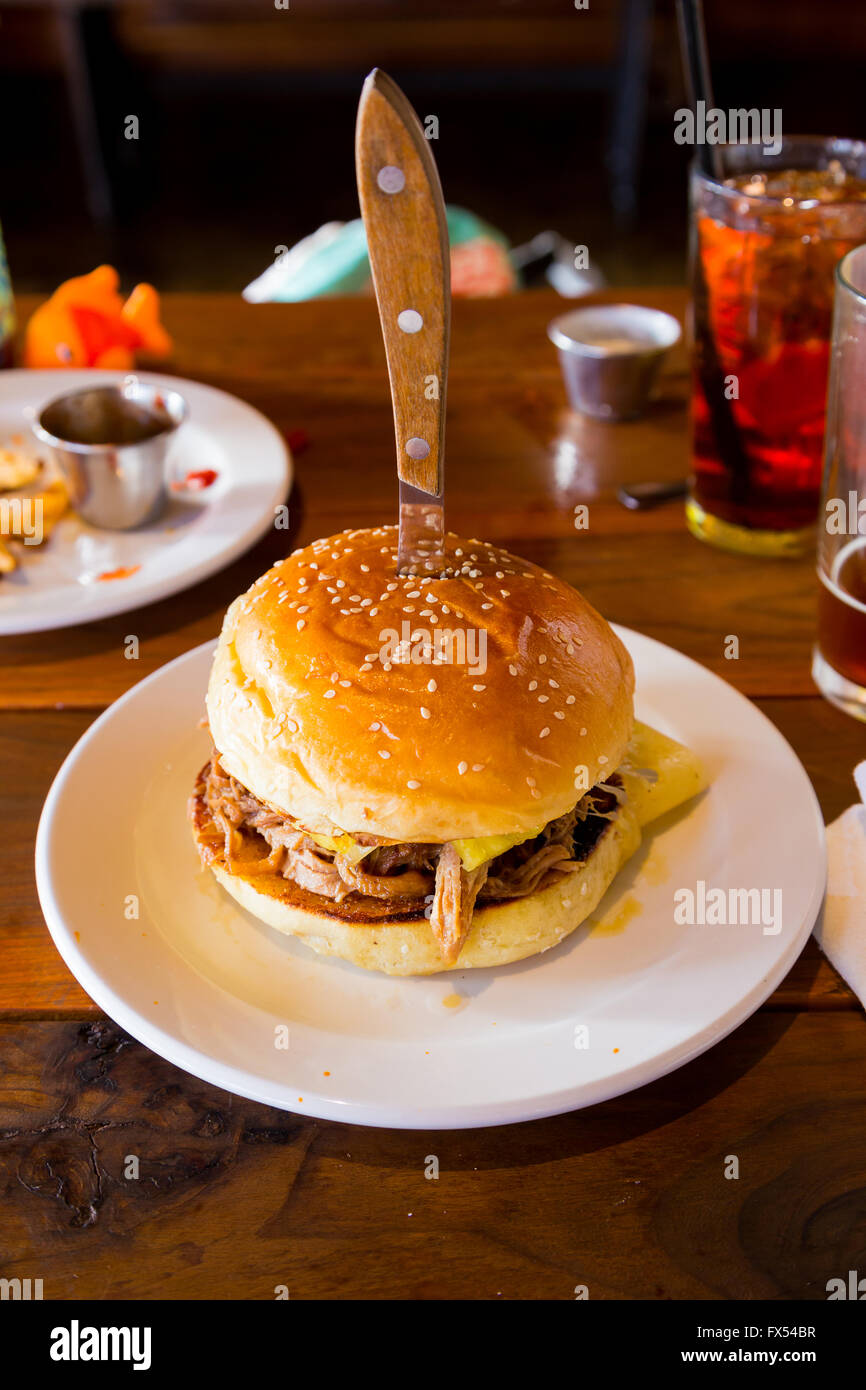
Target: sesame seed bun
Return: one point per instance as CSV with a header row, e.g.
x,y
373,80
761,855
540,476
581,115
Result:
x,y
401,943
312,709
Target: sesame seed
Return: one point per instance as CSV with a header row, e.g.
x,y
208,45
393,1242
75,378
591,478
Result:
x,y
303,608
383,753
487,605
345,684
542,659
506,593
512,670
545,731
366,569
558,714
462,767
375,726
477,767
602,760
431,686
367,666
533,685
293,725
543,699
413,786
425,713
301,624
329,694
554,685
479,687
569,699
582,732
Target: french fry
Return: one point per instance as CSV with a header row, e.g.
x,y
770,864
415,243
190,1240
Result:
x,y
18,514
16,469
55,503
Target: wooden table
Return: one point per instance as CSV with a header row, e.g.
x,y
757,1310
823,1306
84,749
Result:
x,y
629,1197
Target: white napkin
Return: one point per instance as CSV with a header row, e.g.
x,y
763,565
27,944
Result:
x,y
841,929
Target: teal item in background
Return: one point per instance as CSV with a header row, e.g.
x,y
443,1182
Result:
x,y
334,260
7,309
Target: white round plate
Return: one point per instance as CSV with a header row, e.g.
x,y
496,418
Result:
x,y
57,584
209,987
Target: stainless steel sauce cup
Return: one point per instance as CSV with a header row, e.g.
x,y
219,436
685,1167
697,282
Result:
x,y
610,355
110,444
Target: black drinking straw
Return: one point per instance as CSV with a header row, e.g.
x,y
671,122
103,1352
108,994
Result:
x,y
693,40
696,65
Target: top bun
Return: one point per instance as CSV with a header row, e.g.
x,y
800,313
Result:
x,y
496,730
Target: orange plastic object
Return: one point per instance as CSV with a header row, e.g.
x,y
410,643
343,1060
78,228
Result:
x,y
85,323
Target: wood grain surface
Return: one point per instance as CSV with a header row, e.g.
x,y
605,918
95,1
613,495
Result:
x,y
628,1197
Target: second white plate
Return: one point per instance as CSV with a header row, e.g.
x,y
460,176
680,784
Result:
x,y
64,582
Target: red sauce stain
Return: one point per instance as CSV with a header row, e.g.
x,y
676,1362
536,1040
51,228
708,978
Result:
x,y
123,572
196,480
298,441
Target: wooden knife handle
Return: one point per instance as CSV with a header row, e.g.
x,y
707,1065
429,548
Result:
x,y
407,240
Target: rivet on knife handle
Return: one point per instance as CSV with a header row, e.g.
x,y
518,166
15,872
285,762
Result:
x,y
407,239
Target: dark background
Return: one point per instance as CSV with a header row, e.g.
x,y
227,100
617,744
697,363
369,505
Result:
x,y
247,115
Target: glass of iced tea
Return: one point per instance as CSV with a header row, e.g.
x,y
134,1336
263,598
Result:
x,y
839,660
765,241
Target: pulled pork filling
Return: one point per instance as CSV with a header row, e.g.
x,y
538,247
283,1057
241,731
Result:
x,y
421,877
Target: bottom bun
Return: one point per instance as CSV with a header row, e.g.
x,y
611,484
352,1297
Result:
x,y
500,931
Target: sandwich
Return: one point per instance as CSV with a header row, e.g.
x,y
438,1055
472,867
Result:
x,y
424,773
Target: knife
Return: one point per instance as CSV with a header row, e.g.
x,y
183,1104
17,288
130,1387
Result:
x,y
407,241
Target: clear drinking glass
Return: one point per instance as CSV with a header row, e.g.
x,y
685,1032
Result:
x,y
764,246
839,659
